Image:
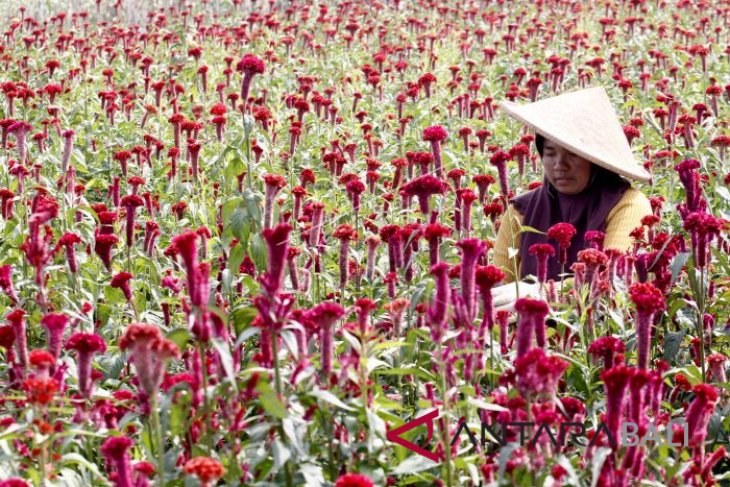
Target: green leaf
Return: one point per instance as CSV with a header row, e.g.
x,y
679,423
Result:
x,y
180,336
273,405
224,353
599,457
412,464
672,342
328,397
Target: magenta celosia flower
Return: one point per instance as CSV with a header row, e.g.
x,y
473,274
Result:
x,y
250,66
185,246
55,324
499,160
392,235
538,374
86,345
353,480
434,233
317,220
6,282
277,243
17,321
423,187
114,450
542,253
436,135
699,412
717,361
273,184
563,233
467,198
703,228
324,316
532,313
486,278
103,244
615,382
20,129
131,202
648,300
121,281
471,251
690,178
606,348
354,189
150,352
344,233
68,146
67,241
483,181
437,311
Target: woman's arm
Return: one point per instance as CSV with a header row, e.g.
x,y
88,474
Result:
x,y
624,218
507,236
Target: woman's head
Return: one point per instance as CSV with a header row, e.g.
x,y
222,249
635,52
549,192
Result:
x,y
569,173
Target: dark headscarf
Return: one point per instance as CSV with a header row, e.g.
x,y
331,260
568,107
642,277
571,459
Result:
x,y
545,206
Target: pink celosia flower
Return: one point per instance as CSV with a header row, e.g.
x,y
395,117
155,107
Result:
x,y
114,450
538,374
150,352
324,316
55,324
532,313
277,242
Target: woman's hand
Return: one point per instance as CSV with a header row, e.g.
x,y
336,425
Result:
x,y
504,297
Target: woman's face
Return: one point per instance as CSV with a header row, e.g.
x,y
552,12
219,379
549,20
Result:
x,y
569,173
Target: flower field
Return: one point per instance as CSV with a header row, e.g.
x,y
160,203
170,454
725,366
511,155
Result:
x,y
247,242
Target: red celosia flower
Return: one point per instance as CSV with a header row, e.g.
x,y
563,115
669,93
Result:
x,y
436,135
86,345
423,187
486,278
40,390
615,381
114,450
277,242
150,352
353,480
103,244
499,160
606,348
538,374
542,252
699,412
324,316
648,301
563,233
208,470
121,281
55,323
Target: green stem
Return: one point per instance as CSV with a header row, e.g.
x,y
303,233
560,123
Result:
x,y
157,427
444,431
206,403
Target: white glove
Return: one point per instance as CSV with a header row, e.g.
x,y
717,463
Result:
x,y
505,296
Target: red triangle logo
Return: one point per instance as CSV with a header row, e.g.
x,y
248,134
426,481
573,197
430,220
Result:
x,y
394,434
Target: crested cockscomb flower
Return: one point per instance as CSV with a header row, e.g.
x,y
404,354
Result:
x,y
186,247
607,348
467,198
471,251
538,374
40,390
423,187
615,382
436,135
131,202
542,253
317,221
499,160
20,129
277,243
353,480
392,235
55,324
86,345
208,470
250,66
434,233
120,281
717,361
699,412
355,188
103,244
6,282
344,233
17,321
483,181
648,301
114,450
532,313
703,228
67,241
563,233
273,184
324,316
486,278
42,362
150,352
595,239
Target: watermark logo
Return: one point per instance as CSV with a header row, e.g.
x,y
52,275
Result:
x,y
496,434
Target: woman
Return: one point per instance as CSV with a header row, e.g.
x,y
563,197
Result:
x,y
584,155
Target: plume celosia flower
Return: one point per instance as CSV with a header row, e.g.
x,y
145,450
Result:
x,y
277,242
699,412
55,324
324,316
615,382
471,251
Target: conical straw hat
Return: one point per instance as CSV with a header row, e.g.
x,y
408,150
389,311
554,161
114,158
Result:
x,y
585,123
